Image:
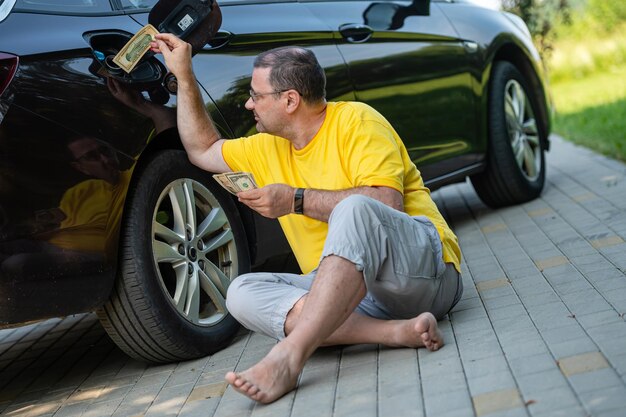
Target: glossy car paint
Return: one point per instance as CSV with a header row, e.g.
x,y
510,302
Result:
x,y
428,77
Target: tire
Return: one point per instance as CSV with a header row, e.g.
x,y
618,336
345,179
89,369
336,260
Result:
x,y
515,171
175,265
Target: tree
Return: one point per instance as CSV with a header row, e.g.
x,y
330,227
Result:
x,y
541,17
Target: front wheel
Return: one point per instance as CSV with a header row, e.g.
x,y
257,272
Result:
x,y
515,171
182,243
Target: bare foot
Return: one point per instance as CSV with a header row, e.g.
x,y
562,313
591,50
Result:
x,y
421,331
428,330
274,376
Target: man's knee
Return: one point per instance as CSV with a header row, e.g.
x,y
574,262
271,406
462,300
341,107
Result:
x,y
362,209
355,203
238,296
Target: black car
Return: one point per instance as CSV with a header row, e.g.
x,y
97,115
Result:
x,y
100,208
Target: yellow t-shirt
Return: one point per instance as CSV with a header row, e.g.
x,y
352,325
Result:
x,y
356,146
93,209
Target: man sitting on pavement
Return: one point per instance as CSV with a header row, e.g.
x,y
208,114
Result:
x,y
380,263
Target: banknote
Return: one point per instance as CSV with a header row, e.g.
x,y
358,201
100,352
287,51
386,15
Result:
x,y
225,182
235,182
135,48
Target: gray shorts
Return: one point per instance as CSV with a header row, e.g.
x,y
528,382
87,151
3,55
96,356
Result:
x,y
400,257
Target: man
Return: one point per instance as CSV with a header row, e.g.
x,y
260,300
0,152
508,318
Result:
x,y
341,183
83,224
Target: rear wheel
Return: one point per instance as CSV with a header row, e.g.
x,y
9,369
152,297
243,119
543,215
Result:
x,y
515,171
182,243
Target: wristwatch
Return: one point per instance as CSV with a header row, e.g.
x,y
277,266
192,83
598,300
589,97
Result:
x,y
298,201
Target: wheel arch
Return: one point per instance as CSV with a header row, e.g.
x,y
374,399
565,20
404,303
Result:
x,y
515,55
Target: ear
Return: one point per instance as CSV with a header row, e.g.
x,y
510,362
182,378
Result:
x,y
293,101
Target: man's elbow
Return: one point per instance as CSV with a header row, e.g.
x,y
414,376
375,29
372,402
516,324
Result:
x,y
197,159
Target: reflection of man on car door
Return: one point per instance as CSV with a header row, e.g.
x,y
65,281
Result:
x,y
88,216
91,207
83,224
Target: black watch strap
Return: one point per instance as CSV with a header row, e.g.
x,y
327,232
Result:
x,y
298,201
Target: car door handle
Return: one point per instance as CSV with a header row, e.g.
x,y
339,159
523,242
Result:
x,y
356,32
221,39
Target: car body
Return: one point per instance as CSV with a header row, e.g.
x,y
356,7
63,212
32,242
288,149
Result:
x,y
100,208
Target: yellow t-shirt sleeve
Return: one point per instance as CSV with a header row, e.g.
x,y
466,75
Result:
x,y
375,158
236,155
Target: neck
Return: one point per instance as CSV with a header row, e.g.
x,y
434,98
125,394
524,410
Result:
x,y
306,127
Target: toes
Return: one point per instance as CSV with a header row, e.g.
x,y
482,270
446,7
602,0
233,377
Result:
x,y
240,383
231,377
246,386
251,390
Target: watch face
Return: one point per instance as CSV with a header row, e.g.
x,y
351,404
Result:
x,y
298,201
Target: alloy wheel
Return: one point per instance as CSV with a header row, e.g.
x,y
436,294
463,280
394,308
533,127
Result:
x,y
522,130
194,251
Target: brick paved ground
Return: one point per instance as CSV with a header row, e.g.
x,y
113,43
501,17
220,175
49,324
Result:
x,y
540,330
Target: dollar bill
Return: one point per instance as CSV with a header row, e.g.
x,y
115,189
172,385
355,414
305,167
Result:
x,y
135,48
225,182
235,182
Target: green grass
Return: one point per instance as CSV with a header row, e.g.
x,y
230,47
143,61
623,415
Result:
x,y
591,111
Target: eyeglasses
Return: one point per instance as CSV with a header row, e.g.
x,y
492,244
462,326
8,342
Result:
x,y
254,95
95,154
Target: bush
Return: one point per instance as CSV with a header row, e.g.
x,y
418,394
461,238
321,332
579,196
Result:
x,y
610,14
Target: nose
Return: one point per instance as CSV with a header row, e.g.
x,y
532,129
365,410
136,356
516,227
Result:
x,y
249,104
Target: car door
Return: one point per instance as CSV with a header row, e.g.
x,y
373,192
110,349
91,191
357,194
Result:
x,y
62,205
406,60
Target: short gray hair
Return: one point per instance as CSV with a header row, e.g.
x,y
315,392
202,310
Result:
x,y
297,68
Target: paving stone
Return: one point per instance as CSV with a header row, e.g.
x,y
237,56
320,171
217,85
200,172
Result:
x,y
524,346
618,412
547,263
486,366
609,330
461,412
498,292
595,380
467,303
572,347
493,381
540,293
545,211
575,411
572,331
473,326
551,401
497,401
541,381
598,318
606,241
585,362
619,363
574,286
584,302
497,306
484,286
447,403
604,400
526,365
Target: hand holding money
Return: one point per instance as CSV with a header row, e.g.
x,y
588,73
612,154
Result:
x,y
128,57
272,201
235,182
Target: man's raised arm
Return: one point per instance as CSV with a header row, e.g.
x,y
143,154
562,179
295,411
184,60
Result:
x,y
197,132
